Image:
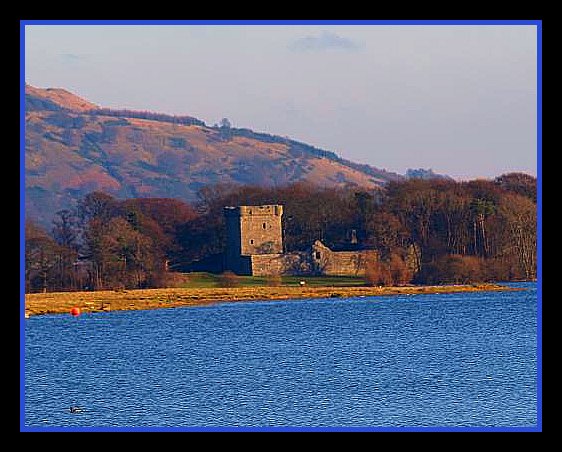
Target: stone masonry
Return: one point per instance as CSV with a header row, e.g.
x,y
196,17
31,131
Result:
x,y
339,263
252,231
255,247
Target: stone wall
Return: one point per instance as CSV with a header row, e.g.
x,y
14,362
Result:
x,y
260,229
255,247
339,263
280,264
252,230
320,260
267,264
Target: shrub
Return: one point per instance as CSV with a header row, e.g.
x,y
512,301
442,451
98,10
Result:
x,y
453,269
168,279
465,269
273,280
400,271
377,273
228,279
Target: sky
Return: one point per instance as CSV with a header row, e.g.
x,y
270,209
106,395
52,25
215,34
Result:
x,y
459,99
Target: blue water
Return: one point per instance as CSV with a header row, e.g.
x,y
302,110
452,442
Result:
x,y
423,360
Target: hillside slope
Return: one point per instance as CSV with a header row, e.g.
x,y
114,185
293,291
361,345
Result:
x,y
73,147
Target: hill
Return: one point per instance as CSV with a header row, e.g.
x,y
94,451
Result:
x,y
73,147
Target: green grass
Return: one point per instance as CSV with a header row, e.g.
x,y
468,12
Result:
x,y
201,280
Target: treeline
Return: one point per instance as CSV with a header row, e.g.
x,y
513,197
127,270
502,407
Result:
x,y
298,149
458,231
480,230
105,243
162,117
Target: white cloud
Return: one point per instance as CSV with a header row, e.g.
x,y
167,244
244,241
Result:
x,y
325,41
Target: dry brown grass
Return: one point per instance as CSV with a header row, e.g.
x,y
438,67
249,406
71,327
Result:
x,y
62,302
62,97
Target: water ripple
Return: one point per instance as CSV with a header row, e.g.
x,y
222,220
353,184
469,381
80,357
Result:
x,y
427,360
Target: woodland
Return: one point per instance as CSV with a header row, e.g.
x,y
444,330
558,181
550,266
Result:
x,y
458,232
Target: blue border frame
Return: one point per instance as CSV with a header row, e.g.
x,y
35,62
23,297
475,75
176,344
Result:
x,y
537,23
281,22
539,225
22,226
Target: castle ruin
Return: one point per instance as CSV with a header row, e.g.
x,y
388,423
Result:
x,y
251,233
254,247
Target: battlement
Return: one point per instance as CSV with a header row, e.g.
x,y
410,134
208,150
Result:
x,y
254,246
252,230
265,210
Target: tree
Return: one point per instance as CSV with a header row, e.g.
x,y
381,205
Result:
x,y
453,219
225,129
377,272
385,232
416,204
400,272
438,230
520,183
96,252
481,209
66,228
520,216
131,254
66,233
161,219
97,205
40,258
365,209
452,269
463,269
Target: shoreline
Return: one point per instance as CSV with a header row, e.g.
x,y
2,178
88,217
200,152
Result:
x,y
147,299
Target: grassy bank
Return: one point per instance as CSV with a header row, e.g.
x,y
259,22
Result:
x,y
198,280
110,300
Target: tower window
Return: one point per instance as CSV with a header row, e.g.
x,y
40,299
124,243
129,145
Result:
x,y
317,254
264,225
251,241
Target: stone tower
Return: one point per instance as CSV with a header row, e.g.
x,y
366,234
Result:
x,y
252,230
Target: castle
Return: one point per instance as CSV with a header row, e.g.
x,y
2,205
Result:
x,y
255,247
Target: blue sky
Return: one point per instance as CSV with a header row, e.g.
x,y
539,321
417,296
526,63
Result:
x,y
460,99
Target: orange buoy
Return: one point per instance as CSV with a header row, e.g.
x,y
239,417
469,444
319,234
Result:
x,y
75,311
